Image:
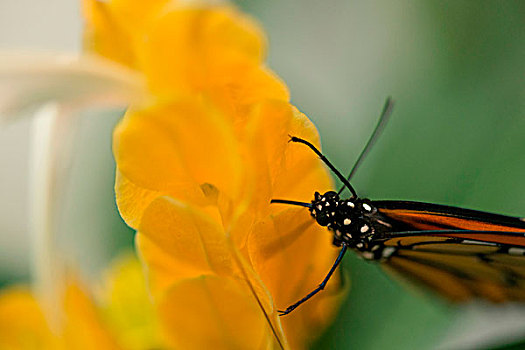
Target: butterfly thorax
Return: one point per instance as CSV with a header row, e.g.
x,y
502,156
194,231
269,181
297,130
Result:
x,y
354,222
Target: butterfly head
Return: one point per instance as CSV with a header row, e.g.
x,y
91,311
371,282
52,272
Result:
x,y
324,207
351,220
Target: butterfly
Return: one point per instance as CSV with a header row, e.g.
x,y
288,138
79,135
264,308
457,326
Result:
x,y
459,253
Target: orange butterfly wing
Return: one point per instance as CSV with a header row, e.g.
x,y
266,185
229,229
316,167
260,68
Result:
x,y
460,265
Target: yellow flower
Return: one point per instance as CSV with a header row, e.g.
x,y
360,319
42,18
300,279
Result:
x,y
126,306
196,171
186,48
123,318
22,323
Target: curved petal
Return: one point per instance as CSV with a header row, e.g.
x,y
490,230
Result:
x,y
211,312
189,45
128,308
178,241
175,148
113,27
302,173
22,323
132,200
237,87
28,81
292,255
83,326
282,169
187,238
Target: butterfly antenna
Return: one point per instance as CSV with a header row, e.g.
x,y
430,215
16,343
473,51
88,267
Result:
x,y
327,162
285,201
381,124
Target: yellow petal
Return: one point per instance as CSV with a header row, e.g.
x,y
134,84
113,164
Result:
x,y
114,27
128,306
237,87
292,255
188,46
84,328
176,148
282,169
185,238
210,312
103,35
132,200
178,241
22,323
302,173
161,269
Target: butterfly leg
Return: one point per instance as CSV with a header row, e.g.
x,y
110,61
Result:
x,y
319,288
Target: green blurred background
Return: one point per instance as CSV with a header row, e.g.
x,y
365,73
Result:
x,y
456,70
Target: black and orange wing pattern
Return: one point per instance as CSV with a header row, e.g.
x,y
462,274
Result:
x,y
461,254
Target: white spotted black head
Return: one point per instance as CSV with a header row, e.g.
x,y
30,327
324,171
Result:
x,y
325,207
352,220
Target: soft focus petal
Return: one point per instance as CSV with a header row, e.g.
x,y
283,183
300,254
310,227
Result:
x,y
237,87
128,309
28,81
188,46
283,254
180,242
188,236
113,27
22,323
301,172
211,312
185,47
281,169
83,324
176,148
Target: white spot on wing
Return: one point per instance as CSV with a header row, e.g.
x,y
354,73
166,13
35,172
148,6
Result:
x,y
516,251
368,255
367,207
388,251
347,222
364,228
469,241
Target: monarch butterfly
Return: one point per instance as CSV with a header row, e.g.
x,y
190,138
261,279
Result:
x,y
459,253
